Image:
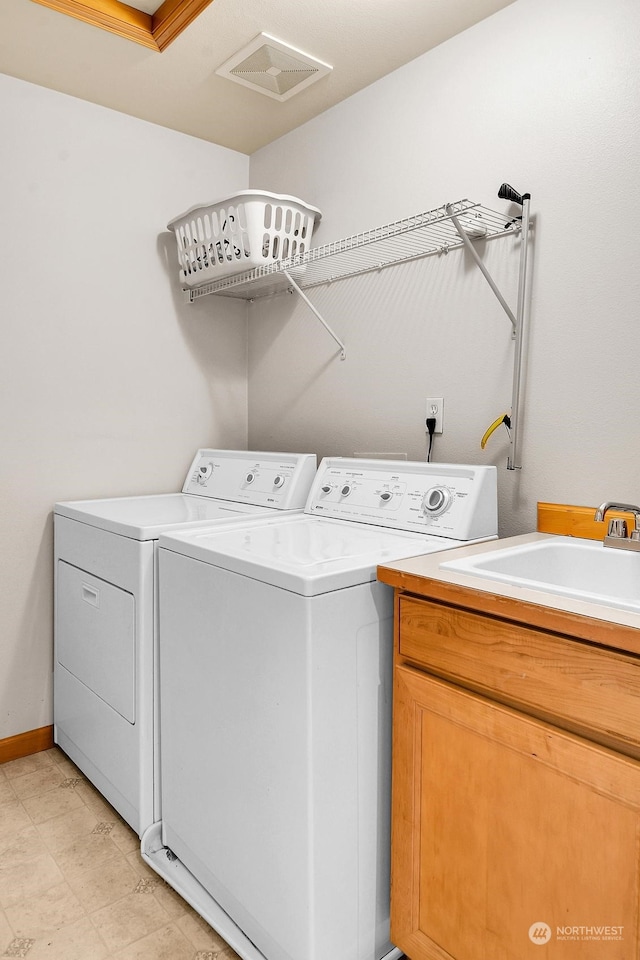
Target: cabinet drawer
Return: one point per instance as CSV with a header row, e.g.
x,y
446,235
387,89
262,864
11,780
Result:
x,y
581,687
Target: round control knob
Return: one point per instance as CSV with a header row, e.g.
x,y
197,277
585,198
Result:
x,y
326,488
436,500
386,496
250,477
346,490
279,480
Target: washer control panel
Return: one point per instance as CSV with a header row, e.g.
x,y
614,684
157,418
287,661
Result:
x,y
449,500
279,480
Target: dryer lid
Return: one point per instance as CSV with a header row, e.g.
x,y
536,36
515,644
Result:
x,y
220,484
145,518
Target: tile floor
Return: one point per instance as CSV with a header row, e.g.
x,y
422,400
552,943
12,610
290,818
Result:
x,y
73,885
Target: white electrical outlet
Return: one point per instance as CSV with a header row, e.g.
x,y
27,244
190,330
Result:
x,y
435,408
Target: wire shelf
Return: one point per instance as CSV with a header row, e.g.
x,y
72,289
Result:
x,y
422,235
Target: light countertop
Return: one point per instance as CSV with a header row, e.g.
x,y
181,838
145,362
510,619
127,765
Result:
x,y
594,622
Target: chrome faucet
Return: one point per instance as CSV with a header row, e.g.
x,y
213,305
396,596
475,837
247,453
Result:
x,y
617,530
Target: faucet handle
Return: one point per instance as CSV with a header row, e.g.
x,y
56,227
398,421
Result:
x,y
618,529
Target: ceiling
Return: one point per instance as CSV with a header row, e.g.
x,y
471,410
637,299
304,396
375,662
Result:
x,y
362,40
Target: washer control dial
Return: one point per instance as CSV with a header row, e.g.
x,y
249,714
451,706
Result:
x,y
250,477
386,496
327,488
436,500
278,481
346,490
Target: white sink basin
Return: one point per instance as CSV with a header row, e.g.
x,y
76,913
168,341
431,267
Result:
x,y
582,569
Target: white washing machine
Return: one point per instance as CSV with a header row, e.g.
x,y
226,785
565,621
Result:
x,y
105,636
276,647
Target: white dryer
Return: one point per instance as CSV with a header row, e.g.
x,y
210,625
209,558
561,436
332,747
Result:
x,y
276,647
105,635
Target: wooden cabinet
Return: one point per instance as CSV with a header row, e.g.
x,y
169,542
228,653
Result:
x,y
516,790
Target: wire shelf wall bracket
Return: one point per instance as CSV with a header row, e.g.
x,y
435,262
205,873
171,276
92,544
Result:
x,y
435,232
303,296
481,266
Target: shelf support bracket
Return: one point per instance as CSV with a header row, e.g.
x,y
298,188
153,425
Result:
x,y
343,352
469,246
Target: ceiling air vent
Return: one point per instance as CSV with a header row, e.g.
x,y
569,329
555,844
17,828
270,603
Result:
x,y
273,68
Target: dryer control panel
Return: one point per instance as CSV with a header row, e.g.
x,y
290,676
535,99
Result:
x,y
450,500
278,480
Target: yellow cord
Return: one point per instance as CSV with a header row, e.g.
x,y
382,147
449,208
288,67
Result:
x,y
494,426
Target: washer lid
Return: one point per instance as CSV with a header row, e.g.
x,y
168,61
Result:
x,y
303,554
145,518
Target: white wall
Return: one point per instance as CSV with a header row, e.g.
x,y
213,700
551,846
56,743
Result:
x,y
108,381
545,95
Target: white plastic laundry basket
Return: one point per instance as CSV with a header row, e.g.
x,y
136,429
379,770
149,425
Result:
x,y
248,230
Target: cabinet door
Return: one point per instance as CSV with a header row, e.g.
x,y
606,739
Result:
x,y
508,834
